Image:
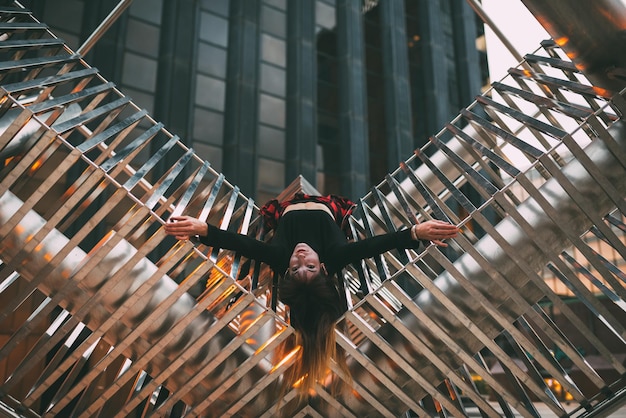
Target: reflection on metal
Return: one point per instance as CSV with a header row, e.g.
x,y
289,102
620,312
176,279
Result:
x,y
590,33
104,26
104,316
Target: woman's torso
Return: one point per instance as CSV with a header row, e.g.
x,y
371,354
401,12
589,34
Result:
x,y
315,227
309,206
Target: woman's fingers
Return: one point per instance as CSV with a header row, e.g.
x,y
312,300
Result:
x,y
179,226
185,227
436,230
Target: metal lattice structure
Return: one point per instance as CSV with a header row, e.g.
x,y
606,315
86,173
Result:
x,y
101,312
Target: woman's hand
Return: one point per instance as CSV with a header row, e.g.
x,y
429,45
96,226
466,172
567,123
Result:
x,y
435,231
184,227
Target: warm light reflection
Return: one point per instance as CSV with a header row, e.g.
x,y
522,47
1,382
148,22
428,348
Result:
x,y
438,406
224,264
269,341
451,390
19,229
246,320
70,191
556,387
614,17
287,359
252,341
561,41
572,55
298,382
222,298
101,243
36,165
601,92
413,40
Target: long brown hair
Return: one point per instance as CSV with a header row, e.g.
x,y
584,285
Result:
x,y
314,308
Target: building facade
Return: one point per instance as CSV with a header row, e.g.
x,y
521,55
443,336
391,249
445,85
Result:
x,y
339,91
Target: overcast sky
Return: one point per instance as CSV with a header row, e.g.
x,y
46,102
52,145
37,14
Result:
x,y
518,25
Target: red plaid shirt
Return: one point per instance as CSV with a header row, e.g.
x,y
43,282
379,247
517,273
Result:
x,y
340,207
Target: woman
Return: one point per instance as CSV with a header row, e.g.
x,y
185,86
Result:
x,y
308,249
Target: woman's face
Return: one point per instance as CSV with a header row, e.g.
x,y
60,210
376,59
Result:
x,y
304,263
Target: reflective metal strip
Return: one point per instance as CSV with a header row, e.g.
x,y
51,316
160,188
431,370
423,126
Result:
x,y
106,109
15,26
131,149
164,183
49,81
507,324
98,333
382,376
35,197
347,345
458,350
426,194
29,63
505,135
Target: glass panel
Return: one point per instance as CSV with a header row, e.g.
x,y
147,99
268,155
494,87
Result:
x,y
210,153
325,15
71,40
273,80
142,37
279,4
273,50
271,142
218,6
210,92
213,29
141,99
273,21
208,127
139,72
149,10
211,60
271,175
57,14
272,110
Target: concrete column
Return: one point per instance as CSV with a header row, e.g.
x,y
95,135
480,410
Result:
x,y
242,96
301,143
435,80
397,84
177,63
353,136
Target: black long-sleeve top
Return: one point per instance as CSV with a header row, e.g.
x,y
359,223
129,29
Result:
x,y
315,228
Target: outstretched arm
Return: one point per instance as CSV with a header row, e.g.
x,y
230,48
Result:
x,y
435,231
184,227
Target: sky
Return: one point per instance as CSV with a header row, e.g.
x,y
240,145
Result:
x,y
513,19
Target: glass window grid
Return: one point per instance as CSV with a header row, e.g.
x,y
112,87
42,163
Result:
x,y
208,108
218,7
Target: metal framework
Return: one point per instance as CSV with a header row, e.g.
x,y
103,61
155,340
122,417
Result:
x,y
101,316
